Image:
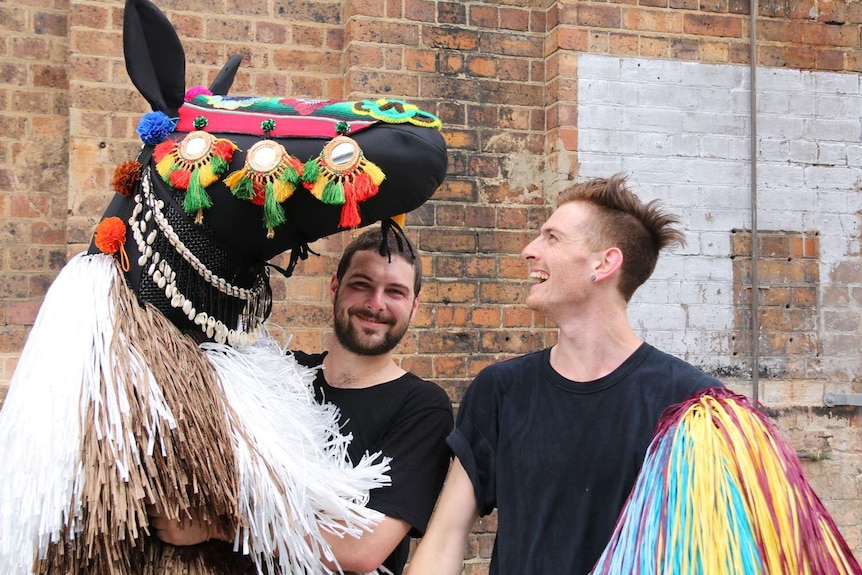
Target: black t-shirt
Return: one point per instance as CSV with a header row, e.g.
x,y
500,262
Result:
x,y
408,420
558,458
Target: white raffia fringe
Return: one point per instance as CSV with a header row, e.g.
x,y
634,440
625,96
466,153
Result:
x,y
62,370
295,475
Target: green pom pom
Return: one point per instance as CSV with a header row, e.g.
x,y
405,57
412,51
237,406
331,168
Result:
x,y
200,123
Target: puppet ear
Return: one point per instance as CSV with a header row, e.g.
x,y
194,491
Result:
x,y
222,83
154,55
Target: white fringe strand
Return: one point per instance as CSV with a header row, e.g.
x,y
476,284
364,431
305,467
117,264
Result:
x,y
295,475
41,475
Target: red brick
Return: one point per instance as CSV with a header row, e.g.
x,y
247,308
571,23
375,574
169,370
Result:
x,y
13,18
376,82
512,45
575,39
504,293
450,316
798,9
514,316
447,240
419,60
448,366
484,166
420,10
599,15
485,317
514,19
484,16
394,9
50,24
450,38
801,57
450,215
480,267
482,66
713,25
451,13
652,21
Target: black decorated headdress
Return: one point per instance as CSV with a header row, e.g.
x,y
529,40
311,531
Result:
x,y
225,183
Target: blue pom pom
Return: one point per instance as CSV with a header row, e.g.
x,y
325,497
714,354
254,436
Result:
x,y
154,127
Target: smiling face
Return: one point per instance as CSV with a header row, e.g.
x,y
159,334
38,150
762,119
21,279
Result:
x,y
562,259
373,303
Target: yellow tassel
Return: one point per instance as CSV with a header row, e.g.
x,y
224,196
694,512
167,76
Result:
x,y
206,176
400,219
319,187
165,165
234,178
282,190
370,168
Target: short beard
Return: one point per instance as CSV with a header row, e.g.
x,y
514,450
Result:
x,y
352,341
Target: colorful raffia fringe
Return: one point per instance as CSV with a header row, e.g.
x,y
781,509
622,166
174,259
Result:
x,y
270,176
193,164
721,493
343,180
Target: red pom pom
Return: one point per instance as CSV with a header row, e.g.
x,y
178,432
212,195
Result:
x,y
180,179
110,235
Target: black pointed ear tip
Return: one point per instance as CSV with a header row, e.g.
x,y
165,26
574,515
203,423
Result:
x,y
223,81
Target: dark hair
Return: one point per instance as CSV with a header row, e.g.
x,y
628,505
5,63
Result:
x,y
639,230
390,243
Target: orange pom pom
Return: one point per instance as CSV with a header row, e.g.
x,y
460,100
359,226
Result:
x,y
110,235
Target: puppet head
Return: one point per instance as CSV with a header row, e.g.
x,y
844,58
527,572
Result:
x,y
222,184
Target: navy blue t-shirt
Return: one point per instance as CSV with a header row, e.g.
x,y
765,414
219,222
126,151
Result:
x,y
558,458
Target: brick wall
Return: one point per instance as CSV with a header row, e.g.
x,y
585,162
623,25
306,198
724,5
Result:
x,y
518,84
34,149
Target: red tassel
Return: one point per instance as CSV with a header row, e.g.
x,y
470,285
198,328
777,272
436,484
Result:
x,y
364,187
223,149
163,149
350,217
259,193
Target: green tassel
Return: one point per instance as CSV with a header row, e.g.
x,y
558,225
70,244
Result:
x,y
310,172
333,193
219,166
273,213
244,190
197,197
289,175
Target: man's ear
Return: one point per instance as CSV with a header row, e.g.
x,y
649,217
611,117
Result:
x,y
333,287
415,307
608,263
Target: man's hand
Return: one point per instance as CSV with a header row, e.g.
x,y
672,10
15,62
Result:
x,y
189,531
